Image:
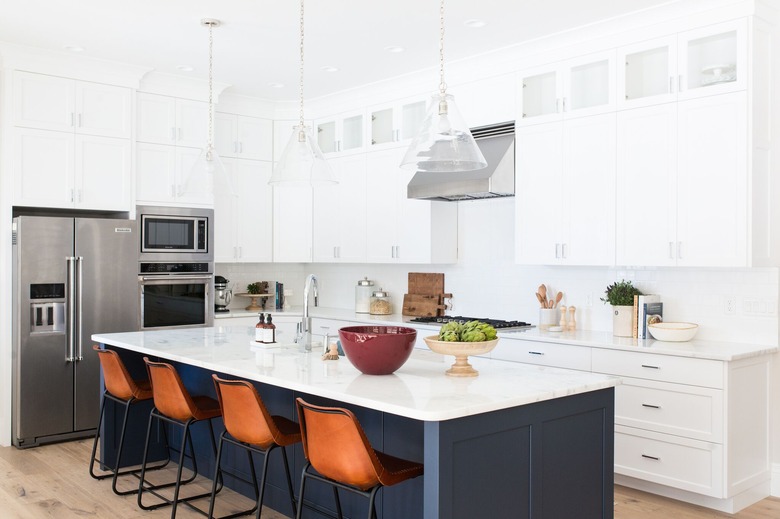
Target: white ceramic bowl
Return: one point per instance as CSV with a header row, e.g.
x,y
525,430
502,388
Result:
x,y
673,332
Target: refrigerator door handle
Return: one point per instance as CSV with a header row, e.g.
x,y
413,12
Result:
x,y
79,307
70,310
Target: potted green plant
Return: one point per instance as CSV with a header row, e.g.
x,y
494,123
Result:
x,y
621,296
253,288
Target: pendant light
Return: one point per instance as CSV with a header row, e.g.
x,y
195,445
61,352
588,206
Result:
x,y
208,170
302,161
444,143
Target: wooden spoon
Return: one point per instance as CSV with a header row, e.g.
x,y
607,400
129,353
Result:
x,y
542,300
543,293
558,298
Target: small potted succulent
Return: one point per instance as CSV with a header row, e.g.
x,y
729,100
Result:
x,y
621,296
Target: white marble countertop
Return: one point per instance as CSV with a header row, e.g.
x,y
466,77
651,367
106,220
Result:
x,y
418,390
703,349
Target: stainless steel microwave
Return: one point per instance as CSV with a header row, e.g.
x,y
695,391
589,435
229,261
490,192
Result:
x,y
176,233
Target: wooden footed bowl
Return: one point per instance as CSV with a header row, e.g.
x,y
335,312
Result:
x,y
461,352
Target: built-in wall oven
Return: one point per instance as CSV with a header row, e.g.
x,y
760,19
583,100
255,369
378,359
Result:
x,y
176,267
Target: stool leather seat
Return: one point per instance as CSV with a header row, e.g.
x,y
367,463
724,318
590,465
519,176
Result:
x,y
249,425
123,389
174,404
336,446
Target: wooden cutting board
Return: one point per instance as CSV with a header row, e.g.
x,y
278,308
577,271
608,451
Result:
x,y
426,283
421,305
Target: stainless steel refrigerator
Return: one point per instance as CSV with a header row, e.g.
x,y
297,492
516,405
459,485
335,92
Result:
x,y
72,277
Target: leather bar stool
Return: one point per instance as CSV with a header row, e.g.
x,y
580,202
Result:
x,y
336,447
249,425
121,388
174,405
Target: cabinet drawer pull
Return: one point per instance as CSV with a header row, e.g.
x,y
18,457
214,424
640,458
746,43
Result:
x,y
651,406
654,458
650,367
536,353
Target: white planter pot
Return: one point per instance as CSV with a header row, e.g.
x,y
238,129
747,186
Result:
x,y
621,321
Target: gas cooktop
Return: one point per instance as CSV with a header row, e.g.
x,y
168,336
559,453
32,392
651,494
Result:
x,y
498,324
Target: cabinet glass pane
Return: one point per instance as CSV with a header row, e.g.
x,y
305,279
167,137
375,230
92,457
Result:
x,y
353,132
382,126
326,136
412,116
647,73
540,95
712,60
589,85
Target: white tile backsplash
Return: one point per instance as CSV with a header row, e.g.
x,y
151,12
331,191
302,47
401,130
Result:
x,y
487,283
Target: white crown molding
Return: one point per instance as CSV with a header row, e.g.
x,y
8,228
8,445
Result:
x,y
246,105
180,86
31,59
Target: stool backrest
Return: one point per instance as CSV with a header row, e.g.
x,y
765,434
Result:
x,y
336,446
171,398
244,414
118,381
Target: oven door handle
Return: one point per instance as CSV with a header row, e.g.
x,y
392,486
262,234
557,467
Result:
x,y
173,277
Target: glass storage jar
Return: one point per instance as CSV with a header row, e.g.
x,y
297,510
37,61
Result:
x,y
363,296
381,303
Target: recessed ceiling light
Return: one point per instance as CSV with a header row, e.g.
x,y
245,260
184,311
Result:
x,y
276,85
394,49
185,68
330,69
474,23
74,48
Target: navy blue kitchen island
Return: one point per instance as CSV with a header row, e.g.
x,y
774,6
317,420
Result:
x,y
518,441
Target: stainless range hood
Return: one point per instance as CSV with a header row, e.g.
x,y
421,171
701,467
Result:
x,y
497,143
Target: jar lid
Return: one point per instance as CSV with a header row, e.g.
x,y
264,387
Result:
x,y
365,282
379,293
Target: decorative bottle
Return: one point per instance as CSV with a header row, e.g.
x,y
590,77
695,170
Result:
x,y
269,332
260,329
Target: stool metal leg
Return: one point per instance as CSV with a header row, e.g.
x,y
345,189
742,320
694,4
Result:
x,y
97,437
300,493
289,480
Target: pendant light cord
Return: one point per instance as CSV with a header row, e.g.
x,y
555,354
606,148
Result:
x,y
301,132
211,86
442,84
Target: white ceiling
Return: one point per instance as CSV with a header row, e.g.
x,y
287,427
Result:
x,y
257,43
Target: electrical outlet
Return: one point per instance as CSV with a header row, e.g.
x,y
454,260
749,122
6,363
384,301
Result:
x,y
730,305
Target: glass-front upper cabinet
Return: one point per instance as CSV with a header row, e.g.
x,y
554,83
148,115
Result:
x,y
573,88
702,62
395,123
341,133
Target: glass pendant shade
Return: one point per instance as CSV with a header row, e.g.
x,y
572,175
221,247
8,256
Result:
x,y
302,161
444,143
208,175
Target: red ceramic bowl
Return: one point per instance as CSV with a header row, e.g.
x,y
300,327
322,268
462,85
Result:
x,y
377,350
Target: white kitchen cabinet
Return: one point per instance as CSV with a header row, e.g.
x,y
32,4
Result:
x,y
243,137
564,212
65,170
340,213
67,105
170,120
707,61
403,230
690,424
162,173
395,124
683,188
292,220
243,223
574,88
343,133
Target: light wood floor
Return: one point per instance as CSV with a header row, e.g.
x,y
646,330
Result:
x,y
53,482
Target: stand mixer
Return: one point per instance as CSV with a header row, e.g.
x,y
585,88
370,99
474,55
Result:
x,y
222,294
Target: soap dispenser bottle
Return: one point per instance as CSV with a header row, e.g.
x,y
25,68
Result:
x,y
260,329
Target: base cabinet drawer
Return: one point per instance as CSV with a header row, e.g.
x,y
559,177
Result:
x,y
689,411
664,368
543,354
681,463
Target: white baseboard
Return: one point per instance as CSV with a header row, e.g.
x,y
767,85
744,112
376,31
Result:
x,y
775,488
